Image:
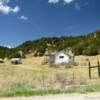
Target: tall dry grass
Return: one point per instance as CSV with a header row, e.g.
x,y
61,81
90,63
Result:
x,y
31,73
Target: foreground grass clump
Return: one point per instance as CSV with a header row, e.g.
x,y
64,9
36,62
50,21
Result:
x,y
25,91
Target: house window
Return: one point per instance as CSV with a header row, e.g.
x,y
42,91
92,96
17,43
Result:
x,y
61,57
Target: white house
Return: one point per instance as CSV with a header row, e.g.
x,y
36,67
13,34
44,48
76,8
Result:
x,y
60,58
63,57
1,60
16,61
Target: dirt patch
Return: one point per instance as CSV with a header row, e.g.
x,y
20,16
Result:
x,y
90,96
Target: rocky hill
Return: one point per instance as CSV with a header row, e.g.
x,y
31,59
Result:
x,y
80,45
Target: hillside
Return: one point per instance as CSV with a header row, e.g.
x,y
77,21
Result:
x,y
4,52
80,45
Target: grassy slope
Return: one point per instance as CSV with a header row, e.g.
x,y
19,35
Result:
x,y
24,79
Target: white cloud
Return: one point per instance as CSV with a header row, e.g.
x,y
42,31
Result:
x,y
68,1
16,9
23,17
77,6
4,1
57,1
53,1
4,45
4,8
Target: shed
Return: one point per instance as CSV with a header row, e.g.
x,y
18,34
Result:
x,y
16,61
1,60
60,58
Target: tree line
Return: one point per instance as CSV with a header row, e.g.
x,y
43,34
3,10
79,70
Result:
x,y
88,44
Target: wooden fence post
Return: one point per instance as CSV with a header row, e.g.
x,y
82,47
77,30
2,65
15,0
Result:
x,y
98,69
89,71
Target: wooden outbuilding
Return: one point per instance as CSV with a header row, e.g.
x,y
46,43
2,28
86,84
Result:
x,y
59,58
16,61
1,60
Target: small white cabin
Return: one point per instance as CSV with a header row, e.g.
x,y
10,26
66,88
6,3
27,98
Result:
x,y
63,57
16,61
1,60
60,58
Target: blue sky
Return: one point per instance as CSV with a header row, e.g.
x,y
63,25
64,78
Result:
x,y
22,20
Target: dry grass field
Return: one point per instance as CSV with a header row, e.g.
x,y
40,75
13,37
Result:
x,y
31,73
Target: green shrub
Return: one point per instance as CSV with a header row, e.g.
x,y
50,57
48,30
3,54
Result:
x,y
90,51
15,55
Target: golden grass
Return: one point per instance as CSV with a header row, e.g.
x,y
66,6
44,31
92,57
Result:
x,y
33,73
